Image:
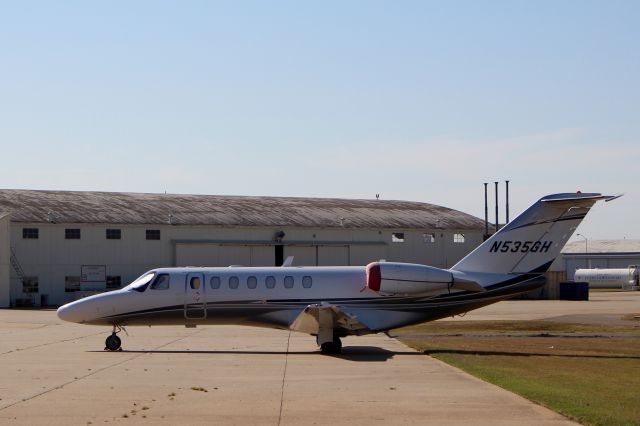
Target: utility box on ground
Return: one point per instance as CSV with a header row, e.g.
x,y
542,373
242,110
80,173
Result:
x,y
574,290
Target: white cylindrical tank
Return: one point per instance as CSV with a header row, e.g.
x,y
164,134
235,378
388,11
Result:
x,y
624,278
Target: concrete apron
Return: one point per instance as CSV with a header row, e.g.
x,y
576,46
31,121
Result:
x,y
54,373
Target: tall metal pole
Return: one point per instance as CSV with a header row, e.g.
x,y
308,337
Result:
x,y
507,208
586,250
486,213
496,183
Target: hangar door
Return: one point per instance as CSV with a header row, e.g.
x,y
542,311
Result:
x,y
318,255
223,255
333,255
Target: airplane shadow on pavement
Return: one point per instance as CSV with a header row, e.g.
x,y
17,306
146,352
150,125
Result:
x,y
349,353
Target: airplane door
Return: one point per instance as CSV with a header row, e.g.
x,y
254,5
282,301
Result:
x,y
195,302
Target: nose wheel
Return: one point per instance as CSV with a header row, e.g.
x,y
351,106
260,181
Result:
x,y
113,342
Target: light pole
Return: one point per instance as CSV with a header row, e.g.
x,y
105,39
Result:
x,y
586,248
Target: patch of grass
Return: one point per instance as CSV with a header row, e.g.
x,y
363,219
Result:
x,y
592,380
507,327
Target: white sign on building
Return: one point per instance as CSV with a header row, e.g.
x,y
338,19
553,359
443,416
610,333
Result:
x,y
93,277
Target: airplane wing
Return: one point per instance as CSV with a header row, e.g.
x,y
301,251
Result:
x,y
326,316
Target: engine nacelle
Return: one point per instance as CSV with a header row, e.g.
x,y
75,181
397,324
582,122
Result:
x,y
407,278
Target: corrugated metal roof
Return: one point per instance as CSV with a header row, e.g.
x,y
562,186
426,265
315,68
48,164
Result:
x,y
218,210
603,246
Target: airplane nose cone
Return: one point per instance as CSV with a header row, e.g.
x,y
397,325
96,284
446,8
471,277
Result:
x,y
70,312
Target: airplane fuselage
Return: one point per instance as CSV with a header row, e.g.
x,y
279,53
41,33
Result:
x,y
268,297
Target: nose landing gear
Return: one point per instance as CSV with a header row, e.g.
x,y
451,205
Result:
x,y
113,342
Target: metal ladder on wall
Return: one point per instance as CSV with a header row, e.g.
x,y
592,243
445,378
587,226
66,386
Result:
x,y
16,264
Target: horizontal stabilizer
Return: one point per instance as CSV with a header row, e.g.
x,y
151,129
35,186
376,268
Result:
x,y
580,198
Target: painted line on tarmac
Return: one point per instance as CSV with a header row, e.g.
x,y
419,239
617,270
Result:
x,y
94,372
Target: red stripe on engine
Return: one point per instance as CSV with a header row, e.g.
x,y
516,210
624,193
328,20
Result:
x,y
373,276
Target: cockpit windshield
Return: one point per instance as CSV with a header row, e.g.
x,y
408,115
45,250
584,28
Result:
x,y
141,283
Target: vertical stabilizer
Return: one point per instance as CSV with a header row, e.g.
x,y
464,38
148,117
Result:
x,y
534,239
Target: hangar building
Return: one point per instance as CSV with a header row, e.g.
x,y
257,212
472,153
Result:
x,y
56,246
601,254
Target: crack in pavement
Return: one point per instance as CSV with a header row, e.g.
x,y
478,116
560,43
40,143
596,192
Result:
x,y
51,343
284,377
99,370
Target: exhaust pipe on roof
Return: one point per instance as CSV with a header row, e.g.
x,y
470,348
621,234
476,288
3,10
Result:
x,y
496,185
486,213
507,206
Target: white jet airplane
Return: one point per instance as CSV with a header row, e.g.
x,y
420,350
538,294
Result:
x,y
333,302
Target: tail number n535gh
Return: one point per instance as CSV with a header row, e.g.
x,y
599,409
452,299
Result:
x,y
520,246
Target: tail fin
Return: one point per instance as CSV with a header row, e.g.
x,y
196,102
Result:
x,y
534,239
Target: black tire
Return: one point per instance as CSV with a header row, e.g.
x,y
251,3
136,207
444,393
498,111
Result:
x,y
338,344
113,343
334,347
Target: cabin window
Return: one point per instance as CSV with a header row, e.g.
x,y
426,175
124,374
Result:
x,y
72,234
153,234
307,282
194,283
30,233
458,238
234,282
30,284
288,281
162,282
114,234
114,282
214,282
71,284
270,282
397,237
428,237
252,282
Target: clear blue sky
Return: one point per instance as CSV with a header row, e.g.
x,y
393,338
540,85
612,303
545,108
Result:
x,y
414,100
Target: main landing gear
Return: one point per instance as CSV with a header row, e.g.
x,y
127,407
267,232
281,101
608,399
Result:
x,y
333,347
113,342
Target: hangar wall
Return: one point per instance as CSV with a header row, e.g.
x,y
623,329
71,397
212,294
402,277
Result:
x,y
5,266
70,243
